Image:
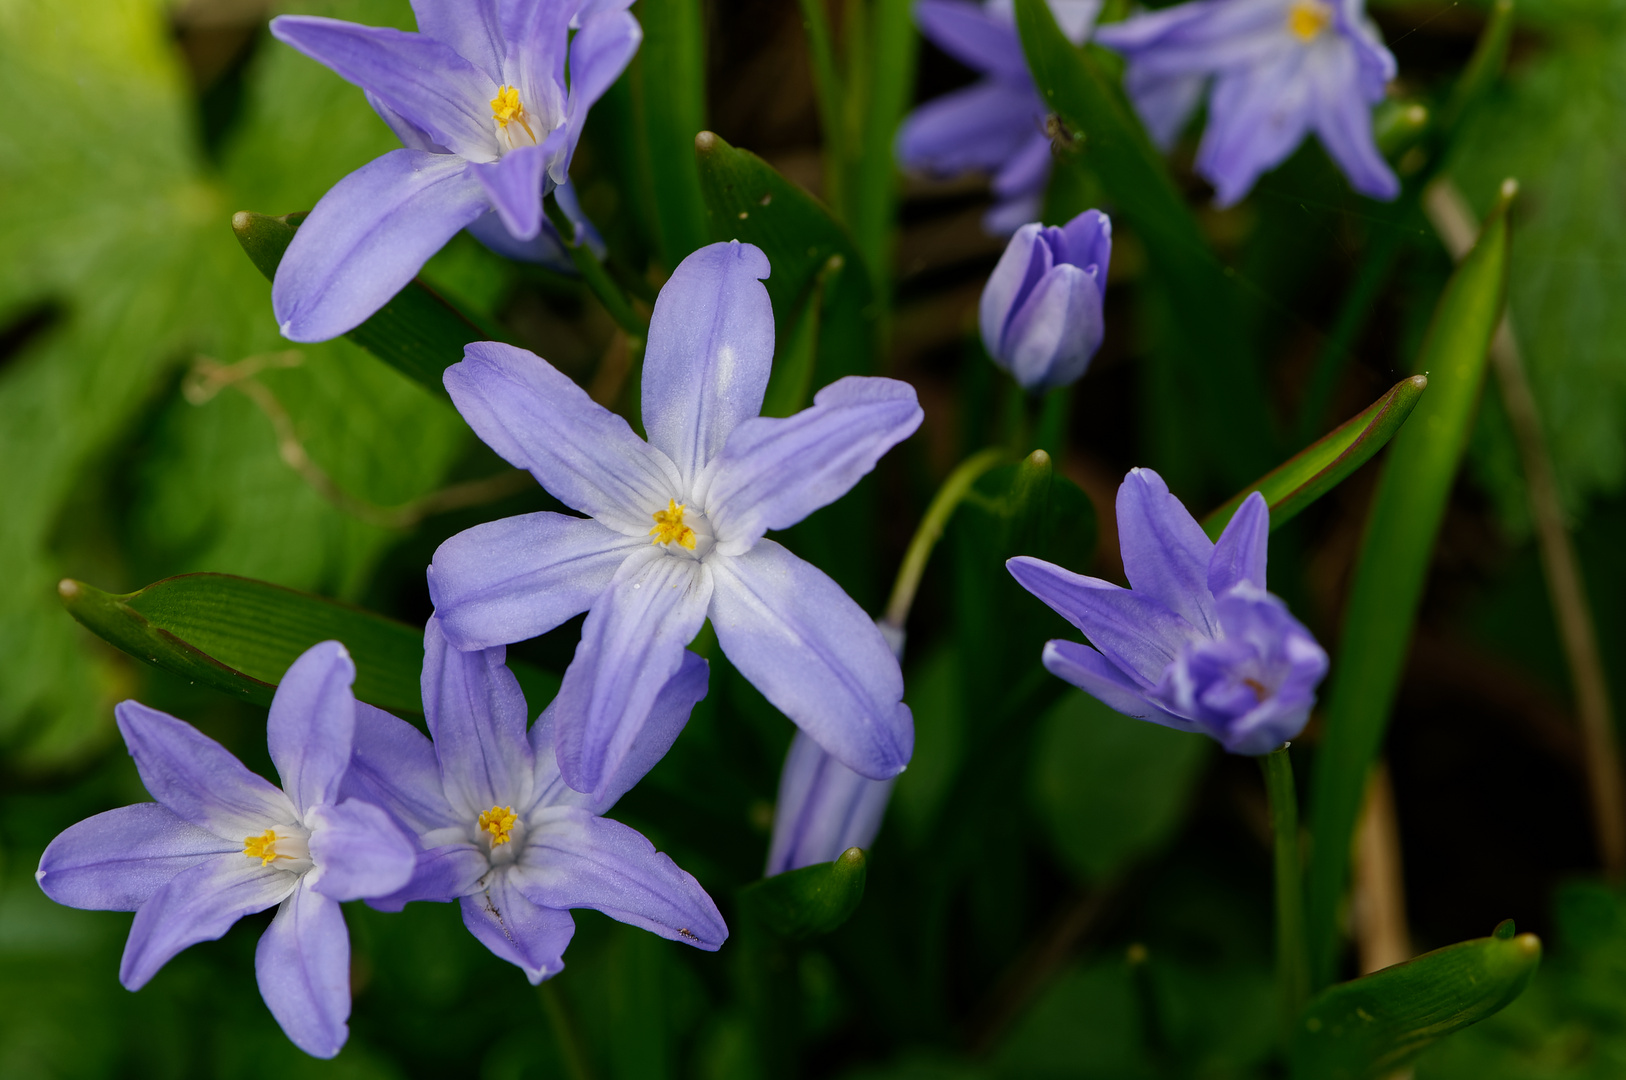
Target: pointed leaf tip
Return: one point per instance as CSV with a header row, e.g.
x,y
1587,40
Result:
x,y
811,901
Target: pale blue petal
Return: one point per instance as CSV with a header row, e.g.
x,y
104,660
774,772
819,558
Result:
x,y
599,53
441,873
198,904
312,723
470,27
976,38
1101,679
823,809
1240,552
1021,265
393,766
1056,331
1165,551
359,852
477,717
303,967
544,248
116,860
977,128
1343,121
518,931
514,186
1256,117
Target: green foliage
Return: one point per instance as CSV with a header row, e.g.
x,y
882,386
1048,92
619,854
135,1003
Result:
x,y
810,901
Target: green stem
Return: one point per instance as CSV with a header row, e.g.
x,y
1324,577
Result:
x,y
1055,410
571,1048
598,279
931,527
828,92
1292,961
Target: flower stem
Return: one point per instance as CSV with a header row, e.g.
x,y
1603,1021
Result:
x,y
930,530
598,279
1292,961
565,1033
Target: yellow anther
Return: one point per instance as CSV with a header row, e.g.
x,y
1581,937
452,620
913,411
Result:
x,y
1307,18
262,847
669,527
506,109
499,822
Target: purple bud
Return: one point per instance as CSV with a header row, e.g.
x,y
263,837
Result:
x,y
1041,309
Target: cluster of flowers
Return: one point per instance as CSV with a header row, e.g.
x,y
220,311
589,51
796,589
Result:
x,y
508,820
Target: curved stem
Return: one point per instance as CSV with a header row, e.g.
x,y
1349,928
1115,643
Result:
x,y
1292,961
930,530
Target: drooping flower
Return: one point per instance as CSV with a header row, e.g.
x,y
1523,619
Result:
x,y
221,843
1041,312
1196,643
676,528
996,125
480,98
1279,70
501,832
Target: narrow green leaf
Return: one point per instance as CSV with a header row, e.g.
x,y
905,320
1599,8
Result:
x,y
669,90
1372,1027
889,85
1393,566
417,332
812,900
828,91
790,384
1484,67
1213,355
239,635
1317,469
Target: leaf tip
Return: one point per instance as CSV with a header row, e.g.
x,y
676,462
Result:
x,y
1508,191
851,859
1504,930
68,589
705,142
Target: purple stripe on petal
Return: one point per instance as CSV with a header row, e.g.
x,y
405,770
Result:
x,y
477,716
666,721
774,471
1056,331
823,809
116,860
710,349
366,239
312,722
514,186
1095,675
470,27
359,852
1256,117
1240,552
442,873
518,931
1165,551
581,452
1021,265
815,655
537,33
198,904
573,859
197,778
516,578
303,966
394,767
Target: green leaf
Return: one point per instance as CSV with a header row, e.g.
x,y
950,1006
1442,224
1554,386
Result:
x,y
417,331
1211,355
669,94
888,88
1372,1027
1393,566
810,901
1317,469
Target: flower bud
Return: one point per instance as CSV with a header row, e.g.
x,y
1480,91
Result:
x,y
1041,309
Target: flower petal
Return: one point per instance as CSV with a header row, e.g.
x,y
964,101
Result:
x,y
544,248
775,471
514,185
518,931
581,452
470,27
823,809
1057,330
575,859
1165,551
1137,634
422,79
197,778
1256,118
1098,677
1164,102
599,53
710,350
198,904
393,766
359,852
1021,265
1026,172
303,967
815,655
631,646
477,716
312,724
116,860
1343,120
975,37
442,873
1240,553
366,239
977,128
518,577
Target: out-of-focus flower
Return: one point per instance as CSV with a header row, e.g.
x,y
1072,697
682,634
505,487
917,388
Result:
x,y
1280,69
996,125
1041,309
676,527
480,98
503,834
1196,643
221,843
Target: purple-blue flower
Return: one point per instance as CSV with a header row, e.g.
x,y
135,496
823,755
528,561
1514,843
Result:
x,y
501,832
1278,70
997,125
675,532
1196,643
221,843
480,98
1041,313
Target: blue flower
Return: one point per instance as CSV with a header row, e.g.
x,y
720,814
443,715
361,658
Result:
x,y
1279,69
997,125
1041,309
502,833
480,99
221,843
1196,643
675,532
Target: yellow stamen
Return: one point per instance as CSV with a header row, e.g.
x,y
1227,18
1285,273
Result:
x,y
262,847
669,527
499,822
505,108
1307,18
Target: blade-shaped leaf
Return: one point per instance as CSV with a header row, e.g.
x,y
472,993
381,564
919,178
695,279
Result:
x,y
1317,469
417,332
812,900
669,92
1371,1027
1393,566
